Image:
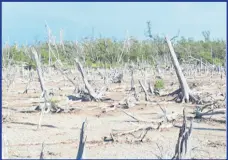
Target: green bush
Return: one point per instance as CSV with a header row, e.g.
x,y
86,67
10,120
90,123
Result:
x,y
206,56
219,62
54,100
159,84
113,52
32,64
93,65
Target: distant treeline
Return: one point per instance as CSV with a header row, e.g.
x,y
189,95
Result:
x,y
97,52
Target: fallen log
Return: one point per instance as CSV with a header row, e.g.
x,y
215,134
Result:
x,y
210,112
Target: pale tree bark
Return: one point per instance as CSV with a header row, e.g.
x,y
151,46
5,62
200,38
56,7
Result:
x,y
145,91
30,80
185,94
47,104
49,44
62,72
183,142
132,80
82,142
39,70
89,88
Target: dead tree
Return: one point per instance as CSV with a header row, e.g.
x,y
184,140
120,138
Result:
x,y
42,151
181,149
10,75
39,72
29,82
144,90
43,88
145,125
132,80
48,105
82,142
9,79
62,72
89,88
184,93
200,114
49,44
151,90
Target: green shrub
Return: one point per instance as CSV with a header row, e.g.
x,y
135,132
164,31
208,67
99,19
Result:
x,y
159,84
113,52
54,100
206,56
219,62
32,64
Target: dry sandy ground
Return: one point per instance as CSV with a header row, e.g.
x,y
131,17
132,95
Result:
x,y
60,132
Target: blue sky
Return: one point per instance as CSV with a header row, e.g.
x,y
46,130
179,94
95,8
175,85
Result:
x,y
25,21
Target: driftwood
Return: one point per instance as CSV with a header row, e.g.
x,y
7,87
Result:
x,y
82,142
139,119
211,112
213,104
168,117
126,102
145,127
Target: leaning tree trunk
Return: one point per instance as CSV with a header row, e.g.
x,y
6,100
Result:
x,y
185,92
39,72
89,88
48,105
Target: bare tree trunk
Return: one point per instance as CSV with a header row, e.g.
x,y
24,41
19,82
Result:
x,y
182,145
39,70
42,151
201,66
185,90
132,80
151,90
62,72
89,88
30,79
145,91
82,142
47,104
210,113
